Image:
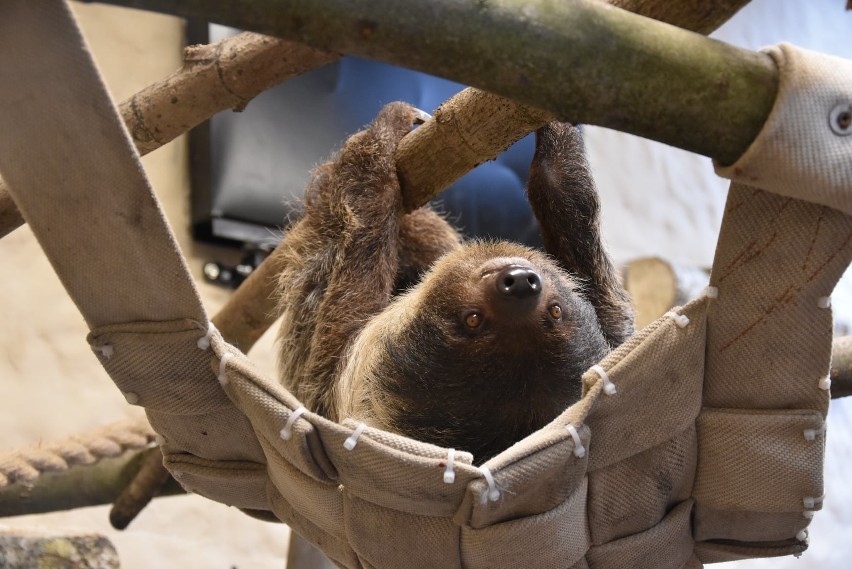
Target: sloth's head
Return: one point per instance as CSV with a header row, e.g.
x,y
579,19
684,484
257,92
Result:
x,y
486,349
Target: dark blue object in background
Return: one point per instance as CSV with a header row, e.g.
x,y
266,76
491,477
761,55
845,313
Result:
x,y
260,159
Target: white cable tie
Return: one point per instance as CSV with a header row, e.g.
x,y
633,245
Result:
x,y
811,434
711,292
608,386
824,302
811,502
204,342
106,350
825,383
350,443
802,535
450,472
809,514
222,377
579,449
286,433
681,320
493,492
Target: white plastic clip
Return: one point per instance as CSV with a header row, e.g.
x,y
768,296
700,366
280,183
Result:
x,y
106,350
681,320
131,397
825,383
579,449
811,434
222,377
450,472
287,432
824,302
608,386
204,342
811,502
159,439
350,442
493,492
809,514
711,292
802,535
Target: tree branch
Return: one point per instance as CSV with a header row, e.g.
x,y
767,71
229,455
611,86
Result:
x,y
577,59
77,487
841,367
224,75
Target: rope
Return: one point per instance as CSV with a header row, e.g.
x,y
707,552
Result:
x,y
25,465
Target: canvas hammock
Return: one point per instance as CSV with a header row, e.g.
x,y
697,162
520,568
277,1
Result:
x,y
699,440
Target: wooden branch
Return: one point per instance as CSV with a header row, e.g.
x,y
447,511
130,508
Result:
x,y
475,126
578,59
841,367
77,487
469,129
223,75
147,483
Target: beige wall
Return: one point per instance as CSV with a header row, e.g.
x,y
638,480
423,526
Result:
x,y
51,386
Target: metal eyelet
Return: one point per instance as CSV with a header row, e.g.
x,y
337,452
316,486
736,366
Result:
x,y
840,119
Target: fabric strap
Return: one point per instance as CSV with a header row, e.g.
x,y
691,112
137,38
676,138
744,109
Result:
x,y
76,176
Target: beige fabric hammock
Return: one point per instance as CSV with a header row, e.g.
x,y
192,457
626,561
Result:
x,y
699,440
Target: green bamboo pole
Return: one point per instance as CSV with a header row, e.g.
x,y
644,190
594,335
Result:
x,y
582,60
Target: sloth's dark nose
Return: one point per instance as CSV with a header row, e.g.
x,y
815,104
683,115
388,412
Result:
x,y
519,282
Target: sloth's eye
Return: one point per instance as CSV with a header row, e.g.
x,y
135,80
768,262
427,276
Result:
x,y
473,320
555,312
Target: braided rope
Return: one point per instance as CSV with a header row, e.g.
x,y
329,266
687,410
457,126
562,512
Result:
x,y
27,464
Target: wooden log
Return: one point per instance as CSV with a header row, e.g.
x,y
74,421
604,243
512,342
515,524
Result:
x,y
656,285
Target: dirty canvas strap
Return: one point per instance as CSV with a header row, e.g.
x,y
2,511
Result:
x,y
76,176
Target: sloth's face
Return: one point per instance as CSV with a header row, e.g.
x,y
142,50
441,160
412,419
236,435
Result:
x,y
489,348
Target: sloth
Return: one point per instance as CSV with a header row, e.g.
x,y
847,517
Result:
x,y
389,319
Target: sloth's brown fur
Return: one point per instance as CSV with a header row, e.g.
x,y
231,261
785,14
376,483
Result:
x,y
355,343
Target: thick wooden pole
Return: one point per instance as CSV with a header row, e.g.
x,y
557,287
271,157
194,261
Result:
x,y
582,60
